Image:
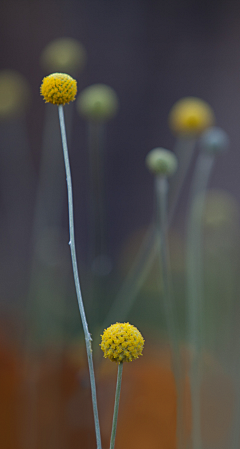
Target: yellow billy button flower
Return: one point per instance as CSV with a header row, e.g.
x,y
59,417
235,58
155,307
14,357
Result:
x,y
122,342
58,88
190,115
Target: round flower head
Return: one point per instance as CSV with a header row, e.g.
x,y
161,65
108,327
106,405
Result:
x,y
14,94
97,102
161,162
214,140
64,54
221,210
58,88
190,115
122,342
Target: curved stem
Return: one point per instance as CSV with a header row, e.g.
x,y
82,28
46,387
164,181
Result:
x,y
116,405
195,285
76,276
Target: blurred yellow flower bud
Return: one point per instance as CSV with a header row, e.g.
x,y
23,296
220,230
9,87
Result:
x,y
14,94
63,55
190,115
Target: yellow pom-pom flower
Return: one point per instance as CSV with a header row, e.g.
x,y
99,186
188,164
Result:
x,y
58,88
190,115
122,342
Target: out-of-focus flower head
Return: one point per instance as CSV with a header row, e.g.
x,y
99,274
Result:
x,y
221,210
98,102
64,55
214,140
190,115
161,162
58,88
14,94
122,342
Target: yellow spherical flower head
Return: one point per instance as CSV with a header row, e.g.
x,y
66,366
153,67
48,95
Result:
x,y
58,88
190,115
122,342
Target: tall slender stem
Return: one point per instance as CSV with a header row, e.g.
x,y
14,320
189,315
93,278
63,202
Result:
x,y
195,285
116,405
76,276
184,150
149,247
161,189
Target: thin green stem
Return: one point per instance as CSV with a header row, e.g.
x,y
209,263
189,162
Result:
x,y
183,150
116,405
76,276
149,247
195,285
161,190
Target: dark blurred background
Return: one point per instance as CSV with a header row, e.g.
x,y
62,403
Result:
x,y
152,53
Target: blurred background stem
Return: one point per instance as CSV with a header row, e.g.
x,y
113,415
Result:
x,y
195,286
147,253
161,192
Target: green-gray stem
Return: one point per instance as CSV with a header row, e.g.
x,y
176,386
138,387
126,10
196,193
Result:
x,y
76,276
195,285
116,405
184,150
149,247
161,189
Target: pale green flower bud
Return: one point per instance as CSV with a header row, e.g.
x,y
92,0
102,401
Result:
x,y
97,102
161,162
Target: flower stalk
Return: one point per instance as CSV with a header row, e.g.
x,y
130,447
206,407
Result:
x,y
161,189
116,405
195,286
121,342
76,276
213,141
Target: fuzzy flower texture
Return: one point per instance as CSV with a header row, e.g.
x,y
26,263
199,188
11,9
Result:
x,y
122,342
58,88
